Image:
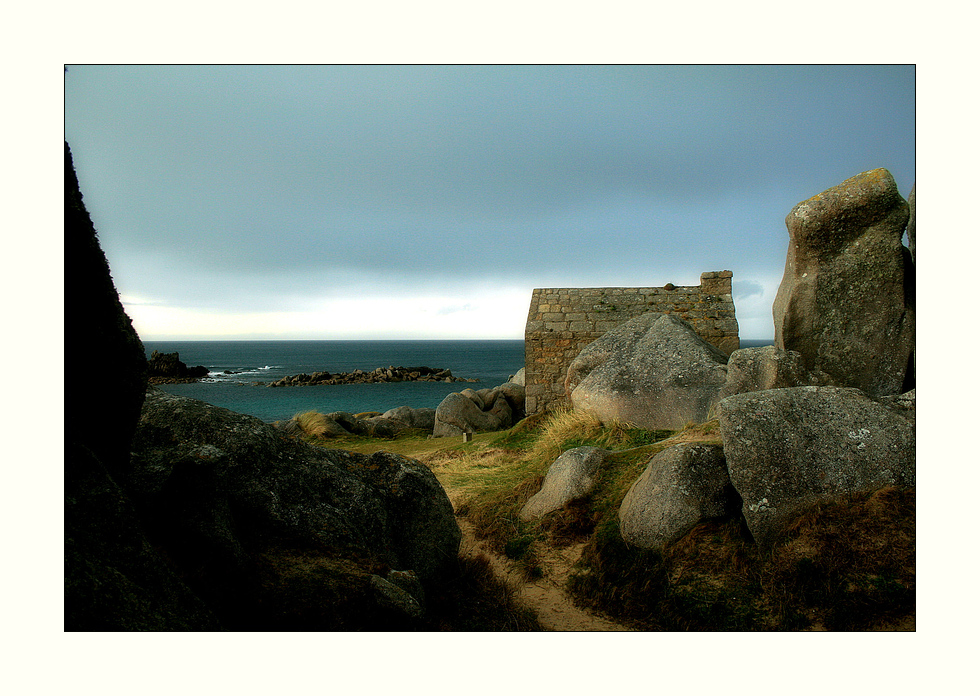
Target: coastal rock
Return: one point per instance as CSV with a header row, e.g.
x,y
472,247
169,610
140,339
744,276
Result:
x,y
457,414
477,411
846,300
767,367
653,371
789,448
381,374
902,404
475,398
219,484
419,418
518,378
679,487
168,367
339,423
515,395
570,477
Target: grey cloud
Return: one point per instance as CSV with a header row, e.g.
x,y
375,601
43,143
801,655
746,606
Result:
x,y
262,186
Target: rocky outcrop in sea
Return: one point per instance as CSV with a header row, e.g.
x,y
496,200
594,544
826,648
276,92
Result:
x,y
381,374
168,368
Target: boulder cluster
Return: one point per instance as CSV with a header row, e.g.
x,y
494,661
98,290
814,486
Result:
x,y
468,411
381,374
482,410
827,411
167,368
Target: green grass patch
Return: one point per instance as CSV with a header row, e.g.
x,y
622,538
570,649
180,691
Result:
x,y
844,565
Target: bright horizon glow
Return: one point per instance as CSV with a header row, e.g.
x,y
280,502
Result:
x,y
482,317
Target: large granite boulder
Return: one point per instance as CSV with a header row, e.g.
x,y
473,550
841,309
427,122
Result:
x,y
653,371
477,411
766,367
419,418
789,448
570,477
217,485
115,580
846,301
511,391
679,487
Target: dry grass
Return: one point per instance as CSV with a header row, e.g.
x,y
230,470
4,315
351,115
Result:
x,y
846,565
314,424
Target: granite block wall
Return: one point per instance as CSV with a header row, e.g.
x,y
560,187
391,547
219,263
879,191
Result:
x,y
562,321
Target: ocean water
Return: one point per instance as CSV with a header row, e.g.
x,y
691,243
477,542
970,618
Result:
x,y
240,369
236,366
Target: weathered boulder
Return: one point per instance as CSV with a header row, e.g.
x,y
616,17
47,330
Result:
x,y
518,378
515,395
767,367
483,410
396,599
457,414
420,418
570,477
475,397
219,486
679,487
846,300
902,404
653,371
788,448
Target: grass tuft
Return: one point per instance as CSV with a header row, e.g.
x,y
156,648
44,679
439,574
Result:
x,y
315,424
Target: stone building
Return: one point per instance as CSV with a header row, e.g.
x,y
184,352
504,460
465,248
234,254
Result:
x,y
562,321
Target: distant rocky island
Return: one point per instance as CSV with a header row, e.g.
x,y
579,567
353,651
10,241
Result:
x,y
167,368
381,374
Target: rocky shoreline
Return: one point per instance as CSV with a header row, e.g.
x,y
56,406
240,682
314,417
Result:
x,y
381,374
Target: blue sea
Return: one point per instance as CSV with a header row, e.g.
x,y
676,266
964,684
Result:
x,y
236,366
239,371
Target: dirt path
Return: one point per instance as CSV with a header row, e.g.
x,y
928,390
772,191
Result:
x,y
545,596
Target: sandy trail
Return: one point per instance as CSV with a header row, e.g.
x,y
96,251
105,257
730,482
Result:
x,y
545,596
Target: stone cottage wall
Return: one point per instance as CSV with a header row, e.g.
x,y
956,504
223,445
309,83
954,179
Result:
x,y
562,321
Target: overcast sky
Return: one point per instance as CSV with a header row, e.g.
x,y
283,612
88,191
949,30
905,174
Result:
x,y
427,202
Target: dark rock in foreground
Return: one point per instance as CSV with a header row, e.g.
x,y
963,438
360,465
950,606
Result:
x,y
219,487
679,487
789,448
570,477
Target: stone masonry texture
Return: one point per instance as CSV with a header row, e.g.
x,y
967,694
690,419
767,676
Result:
x,y
562,321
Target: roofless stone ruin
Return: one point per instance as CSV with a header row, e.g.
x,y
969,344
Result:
x,y
562,321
